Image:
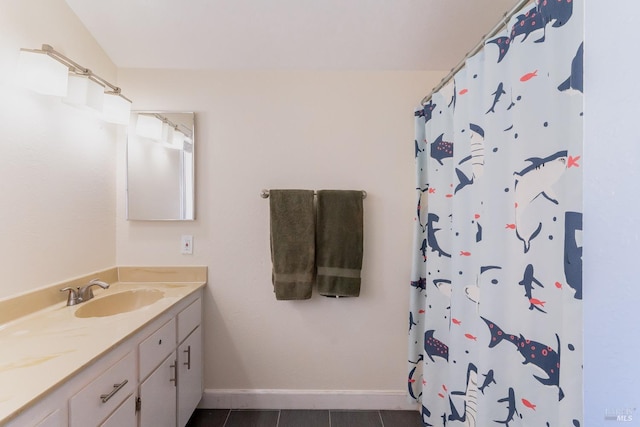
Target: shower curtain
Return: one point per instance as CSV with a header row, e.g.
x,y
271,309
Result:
x,y
495,323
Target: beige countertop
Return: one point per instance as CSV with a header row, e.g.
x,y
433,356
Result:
x,y
41,350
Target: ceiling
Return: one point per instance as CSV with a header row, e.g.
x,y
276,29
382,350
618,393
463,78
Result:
x,y
289,34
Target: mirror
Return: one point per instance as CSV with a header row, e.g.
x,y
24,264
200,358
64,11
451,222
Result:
x,y
160,166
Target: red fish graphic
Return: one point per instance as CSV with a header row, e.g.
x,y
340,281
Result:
x,y
449,196
432,190
536,301
465,253
456,321
511,226
528,404
529,76
421,311
471,337
476,216
463,91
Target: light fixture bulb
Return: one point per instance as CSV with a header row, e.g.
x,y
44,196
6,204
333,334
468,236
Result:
x,y
148,126
43,74
167,133
178,140
84,92
116,108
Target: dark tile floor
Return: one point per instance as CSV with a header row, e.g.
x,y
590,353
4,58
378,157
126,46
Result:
x,y
302,418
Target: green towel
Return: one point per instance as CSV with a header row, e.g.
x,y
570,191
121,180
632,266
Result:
x,y
292,243
339,242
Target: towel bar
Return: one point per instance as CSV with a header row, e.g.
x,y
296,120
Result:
x,y
265,194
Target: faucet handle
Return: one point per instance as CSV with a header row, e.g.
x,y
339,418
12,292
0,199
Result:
x,y
72,298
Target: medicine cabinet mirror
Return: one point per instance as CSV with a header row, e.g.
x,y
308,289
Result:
x,y
160,166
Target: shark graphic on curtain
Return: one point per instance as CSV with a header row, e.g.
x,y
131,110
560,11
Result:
x,y
495,326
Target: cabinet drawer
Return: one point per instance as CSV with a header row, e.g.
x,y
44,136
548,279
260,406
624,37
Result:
x,y
189,319
102,396
155,349
124,416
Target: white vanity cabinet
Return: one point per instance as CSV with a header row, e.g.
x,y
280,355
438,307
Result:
x,y
172,389
153,378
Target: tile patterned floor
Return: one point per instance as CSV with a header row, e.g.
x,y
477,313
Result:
x,y
302,418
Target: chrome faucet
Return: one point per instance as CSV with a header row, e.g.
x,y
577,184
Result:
x,y
84,293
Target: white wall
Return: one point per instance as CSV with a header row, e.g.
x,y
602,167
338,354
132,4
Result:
x,y
611,237
57,168
314,130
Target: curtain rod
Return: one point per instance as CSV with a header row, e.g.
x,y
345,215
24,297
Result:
x,y
496,29
265,194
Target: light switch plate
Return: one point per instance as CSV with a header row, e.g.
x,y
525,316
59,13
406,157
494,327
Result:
x,y
187,244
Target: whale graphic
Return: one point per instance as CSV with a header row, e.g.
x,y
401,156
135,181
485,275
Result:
x,y
418,150
425,414
496,97
557,11
433,347
573,252
488,379
511,406
470,396
423,249
526,24
575,80
420,284
477,150
533,352
422,206
412,323
463,181
444,286
441,149
431,235
546,11
427,111
533,181
528,280
503,43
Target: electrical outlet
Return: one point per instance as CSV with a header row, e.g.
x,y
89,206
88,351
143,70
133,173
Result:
x,y
187,244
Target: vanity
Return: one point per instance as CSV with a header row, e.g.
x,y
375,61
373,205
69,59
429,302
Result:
x,y
131,356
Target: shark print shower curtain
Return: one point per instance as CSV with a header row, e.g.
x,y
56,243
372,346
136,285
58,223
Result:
x,y
495,326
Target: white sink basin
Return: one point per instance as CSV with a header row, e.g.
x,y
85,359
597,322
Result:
x,y
121,302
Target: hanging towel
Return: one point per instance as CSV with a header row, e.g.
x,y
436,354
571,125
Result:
x,y
292,243
339,242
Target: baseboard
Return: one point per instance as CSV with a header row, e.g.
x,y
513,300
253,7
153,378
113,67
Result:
x,y
307,399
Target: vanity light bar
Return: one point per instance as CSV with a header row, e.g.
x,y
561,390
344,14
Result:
x,y
74,67
116,107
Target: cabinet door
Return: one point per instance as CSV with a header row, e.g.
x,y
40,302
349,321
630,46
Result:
x,y
158,396
55,419
124,416
190,379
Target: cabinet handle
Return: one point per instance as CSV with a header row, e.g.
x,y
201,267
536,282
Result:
x,y
116,388
188,362
175,373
